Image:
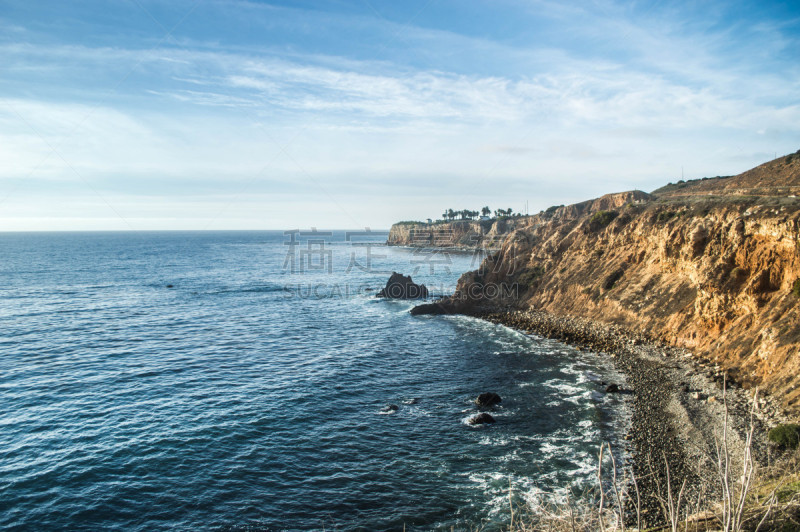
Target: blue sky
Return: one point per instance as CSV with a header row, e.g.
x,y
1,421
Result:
x,y
135,114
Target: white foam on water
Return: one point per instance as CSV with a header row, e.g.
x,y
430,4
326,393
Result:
x,y
575,383
559,385
549,449
593,377
494,441
417,412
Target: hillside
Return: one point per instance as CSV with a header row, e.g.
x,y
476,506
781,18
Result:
x,y
708,266
778,178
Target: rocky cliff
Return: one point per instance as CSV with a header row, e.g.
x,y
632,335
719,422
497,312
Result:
x,y
712,266
488,234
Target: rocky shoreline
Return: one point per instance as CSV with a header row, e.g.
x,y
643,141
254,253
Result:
x,y
677,404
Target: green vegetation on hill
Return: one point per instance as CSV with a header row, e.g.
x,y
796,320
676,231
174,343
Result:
x,y
785,436
531,275
550,211
601,219
792,156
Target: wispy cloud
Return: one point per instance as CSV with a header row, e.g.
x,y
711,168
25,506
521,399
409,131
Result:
x,y
600,96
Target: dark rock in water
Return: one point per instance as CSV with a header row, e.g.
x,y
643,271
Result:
x,y
412,401
390,409
481,419
612,388
170,286
428,308
400,286
488,399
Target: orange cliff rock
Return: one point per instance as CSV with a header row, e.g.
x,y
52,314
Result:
x,y
708,265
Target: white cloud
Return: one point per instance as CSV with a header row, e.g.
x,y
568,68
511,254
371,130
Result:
x,y
205,130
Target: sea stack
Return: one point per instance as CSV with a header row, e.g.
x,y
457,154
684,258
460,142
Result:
x,y
401,286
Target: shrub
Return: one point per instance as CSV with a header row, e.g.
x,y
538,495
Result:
x,y
665,216
531,275
796,287
786,436
601,219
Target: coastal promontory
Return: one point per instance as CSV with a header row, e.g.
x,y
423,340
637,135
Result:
x,y
711,265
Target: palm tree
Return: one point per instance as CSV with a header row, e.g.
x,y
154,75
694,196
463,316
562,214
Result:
x,y
485,211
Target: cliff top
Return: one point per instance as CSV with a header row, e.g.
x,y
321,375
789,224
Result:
x,y
774,179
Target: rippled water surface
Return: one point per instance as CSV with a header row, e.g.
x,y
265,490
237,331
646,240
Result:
x,y
191,380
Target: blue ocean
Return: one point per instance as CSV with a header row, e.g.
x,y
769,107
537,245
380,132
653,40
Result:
x,y
239,381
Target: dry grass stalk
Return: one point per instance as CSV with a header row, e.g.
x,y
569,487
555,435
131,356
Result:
x,y
735,491
749,500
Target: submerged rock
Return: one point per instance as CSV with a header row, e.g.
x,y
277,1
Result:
x,y
481,419
390,409
612,388
488,399
401,286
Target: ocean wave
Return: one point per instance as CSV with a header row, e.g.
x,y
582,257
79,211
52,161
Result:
x,y
274,406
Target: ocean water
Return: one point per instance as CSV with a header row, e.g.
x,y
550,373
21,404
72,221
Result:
x,y
238,381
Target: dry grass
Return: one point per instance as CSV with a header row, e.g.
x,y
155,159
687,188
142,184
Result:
x,y
751,498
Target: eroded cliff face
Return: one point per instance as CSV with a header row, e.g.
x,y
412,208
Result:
x,y
487,234
490,234
714,275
